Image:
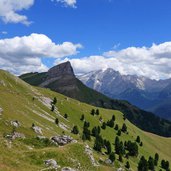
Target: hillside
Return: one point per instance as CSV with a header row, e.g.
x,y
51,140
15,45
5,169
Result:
x,y
61,79
32,106
148,94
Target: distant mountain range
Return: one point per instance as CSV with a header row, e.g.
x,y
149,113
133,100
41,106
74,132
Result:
x,y
62,79
148,94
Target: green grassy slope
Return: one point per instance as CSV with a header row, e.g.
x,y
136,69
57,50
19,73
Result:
x,y
74,88
16,100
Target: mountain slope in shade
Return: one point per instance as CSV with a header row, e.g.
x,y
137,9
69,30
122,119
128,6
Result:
x,y
64,81
141,91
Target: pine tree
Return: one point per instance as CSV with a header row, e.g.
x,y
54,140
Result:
x,y
138,139
103,125
116,127
82,117
98,144
108,147
52,108
57,121
143,164
54,101
93,112
151,163
75,130
112,156
127,165
119,132
120,158
124,128
97,112
156,159
141,143
65,115
113,117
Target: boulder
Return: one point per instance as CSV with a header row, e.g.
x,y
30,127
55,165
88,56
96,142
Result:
x,y
15,135
62,139
51,163
15,123
108,161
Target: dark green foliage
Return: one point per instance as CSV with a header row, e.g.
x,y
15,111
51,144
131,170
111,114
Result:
x,y
57,121
75,130
33,125
151,163
96,131
97,112
138,139
110,123
119,132
108,146
141,143
124,128
65,115
92,112
112,156
86,124
116,127
103,125
54,101
52,108
156,159
98,144
119,147
165,165
113,117
127,165
132,148
143,164
82,117
86,134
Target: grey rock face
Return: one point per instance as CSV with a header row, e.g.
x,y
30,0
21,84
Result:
x,y
59,70
51,163
15,123
62,140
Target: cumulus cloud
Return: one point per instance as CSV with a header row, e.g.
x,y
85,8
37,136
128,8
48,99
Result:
x,y
68,3
153,62
9,11
23,54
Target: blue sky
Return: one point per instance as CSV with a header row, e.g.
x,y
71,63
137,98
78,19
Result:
x,y
102,27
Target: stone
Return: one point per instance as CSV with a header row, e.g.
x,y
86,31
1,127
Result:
x,y
15,135
1,110
62,139
120,169
108,161
67,169
37,130
51,163
15,123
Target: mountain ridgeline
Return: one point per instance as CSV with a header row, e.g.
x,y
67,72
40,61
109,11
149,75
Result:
x,y
148,94
62,79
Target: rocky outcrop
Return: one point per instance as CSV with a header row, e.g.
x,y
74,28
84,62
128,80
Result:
x,y
62,140
37,130
15,135
51,163
67,169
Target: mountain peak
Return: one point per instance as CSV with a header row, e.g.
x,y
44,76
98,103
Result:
x,y
60,70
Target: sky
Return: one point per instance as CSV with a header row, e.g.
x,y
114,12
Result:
x,y
130,36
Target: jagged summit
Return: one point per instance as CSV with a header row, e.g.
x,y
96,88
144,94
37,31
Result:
x,y
60,70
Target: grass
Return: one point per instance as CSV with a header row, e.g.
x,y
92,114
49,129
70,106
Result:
x,y
16,100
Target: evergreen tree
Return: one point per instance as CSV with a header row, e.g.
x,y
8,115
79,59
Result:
x,y
113,117
103,125
127,165
93,112
143,164
95,131
98,144
112,156
86,124
110,123
97,112
124,128
119,132
75,130
138,139
82,117
86,133
116,127
132,148
141,143
108,147
151,163
156,159
54,101
65,115
57,121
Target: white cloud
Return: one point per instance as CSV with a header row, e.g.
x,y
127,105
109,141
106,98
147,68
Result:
x,y
68,3
9,11
4,32
23,54
153,62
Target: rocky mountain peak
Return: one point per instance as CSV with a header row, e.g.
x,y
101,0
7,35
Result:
x,y
61,70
